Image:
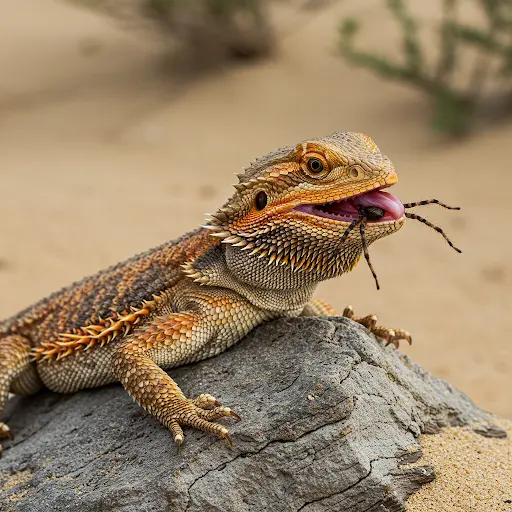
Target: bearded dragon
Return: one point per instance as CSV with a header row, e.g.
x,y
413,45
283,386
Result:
x,y
289,225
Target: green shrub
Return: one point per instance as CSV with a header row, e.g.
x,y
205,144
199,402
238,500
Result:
x,y
455,105
206,31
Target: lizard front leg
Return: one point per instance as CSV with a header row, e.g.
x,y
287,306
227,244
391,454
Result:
x,y
370,322
210,325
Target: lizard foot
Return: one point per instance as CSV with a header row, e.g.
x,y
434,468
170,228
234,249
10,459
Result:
x,y
370,322
200,413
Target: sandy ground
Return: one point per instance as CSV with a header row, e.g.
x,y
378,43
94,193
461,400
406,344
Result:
x,y
103,155
473,473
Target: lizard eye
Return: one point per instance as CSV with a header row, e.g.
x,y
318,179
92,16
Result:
x,y
261,200
315,165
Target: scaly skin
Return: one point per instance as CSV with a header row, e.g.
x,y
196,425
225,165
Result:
x,y
258,258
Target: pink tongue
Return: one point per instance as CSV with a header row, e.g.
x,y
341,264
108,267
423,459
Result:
x,y
388,202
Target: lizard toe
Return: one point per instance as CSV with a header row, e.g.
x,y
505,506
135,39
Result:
x,y
205,401
187,413
195,421
216,413
348,312
178,434
369,321
400,334
5,432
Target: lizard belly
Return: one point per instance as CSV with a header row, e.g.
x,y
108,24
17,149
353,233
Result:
x,y
84,369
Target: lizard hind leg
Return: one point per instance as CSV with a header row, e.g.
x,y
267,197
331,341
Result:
x,y
17,374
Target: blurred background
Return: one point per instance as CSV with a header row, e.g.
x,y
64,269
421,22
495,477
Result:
x,y
122,122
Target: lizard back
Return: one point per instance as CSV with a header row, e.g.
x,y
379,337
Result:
x,y
109,293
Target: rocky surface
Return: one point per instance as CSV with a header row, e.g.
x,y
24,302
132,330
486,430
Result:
x,y
330,420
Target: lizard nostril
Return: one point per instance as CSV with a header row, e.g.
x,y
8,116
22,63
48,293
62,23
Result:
x,y
261,200
355,171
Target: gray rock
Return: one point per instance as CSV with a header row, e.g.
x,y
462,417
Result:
x,y
330,417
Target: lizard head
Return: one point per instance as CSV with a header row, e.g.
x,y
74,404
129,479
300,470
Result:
x,y
293,207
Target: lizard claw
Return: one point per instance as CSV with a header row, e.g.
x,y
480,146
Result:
x,y
227,437
235,415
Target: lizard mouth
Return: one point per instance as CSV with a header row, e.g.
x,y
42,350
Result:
x,y
347,210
